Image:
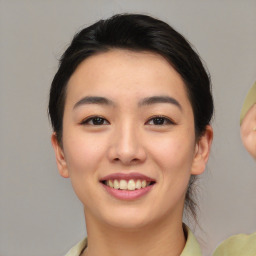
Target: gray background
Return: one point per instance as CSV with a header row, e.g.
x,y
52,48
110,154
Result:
x,y
39,213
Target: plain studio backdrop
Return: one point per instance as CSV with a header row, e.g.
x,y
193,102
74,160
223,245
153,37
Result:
x,y
39,213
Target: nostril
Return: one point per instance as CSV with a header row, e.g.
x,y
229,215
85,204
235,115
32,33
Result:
x,y
126,161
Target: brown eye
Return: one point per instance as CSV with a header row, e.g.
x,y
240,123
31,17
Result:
x,y
95,120
159,120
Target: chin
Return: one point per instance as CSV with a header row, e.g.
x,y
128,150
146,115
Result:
x,y
130,225
129,219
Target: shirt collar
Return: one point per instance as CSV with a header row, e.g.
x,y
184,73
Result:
x,y
191,248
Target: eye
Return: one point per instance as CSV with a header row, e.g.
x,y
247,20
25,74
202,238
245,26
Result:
x,y
159,120
95,120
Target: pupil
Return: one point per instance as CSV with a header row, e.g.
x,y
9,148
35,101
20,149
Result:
x,y
158,121
97,121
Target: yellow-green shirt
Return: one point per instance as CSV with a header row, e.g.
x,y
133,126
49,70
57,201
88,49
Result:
x,y
249,101
191,248
238,245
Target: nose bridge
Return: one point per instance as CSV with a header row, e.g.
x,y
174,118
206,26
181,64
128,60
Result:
x,y
127,141
127,145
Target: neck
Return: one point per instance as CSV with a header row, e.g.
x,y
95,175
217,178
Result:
x,y
159,239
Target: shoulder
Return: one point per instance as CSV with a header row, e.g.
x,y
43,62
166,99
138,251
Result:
x,y
241,244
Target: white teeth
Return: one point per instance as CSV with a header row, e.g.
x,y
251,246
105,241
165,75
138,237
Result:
x,y
131,185
138,184
143,184
127,185
123,184
110,184
116,184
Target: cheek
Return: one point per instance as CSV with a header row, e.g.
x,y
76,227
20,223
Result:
x,y
83,152
174,156
174,153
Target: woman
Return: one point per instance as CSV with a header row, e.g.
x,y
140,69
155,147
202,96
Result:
x,y
130,108
243,244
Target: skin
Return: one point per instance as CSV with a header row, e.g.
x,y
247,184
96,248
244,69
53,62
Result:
x,y
247,132
128,140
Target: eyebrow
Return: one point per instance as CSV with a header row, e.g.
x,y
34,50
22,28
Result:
x,y
94,100
144,102
160,99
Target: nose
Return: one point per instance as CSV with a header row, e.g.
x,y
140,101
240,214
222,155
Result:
x,y
126,146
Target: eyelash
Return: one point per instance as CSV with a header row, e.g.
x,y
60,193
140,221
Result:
x,y
94,118
166,120
161,121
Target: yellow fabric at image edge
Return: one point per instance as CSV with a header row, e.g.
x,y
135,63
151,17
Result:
x,y
238,245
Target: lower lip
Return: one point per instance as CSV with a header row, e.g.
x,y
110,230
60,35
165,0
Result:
x,y
128,194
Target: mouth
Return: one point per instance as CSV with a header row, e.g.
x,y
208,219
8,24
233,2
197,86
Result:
x,y
129,182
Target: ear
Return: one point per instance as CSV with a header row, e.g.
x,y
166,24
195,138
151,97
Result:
x,y
60,158
202,151
248,131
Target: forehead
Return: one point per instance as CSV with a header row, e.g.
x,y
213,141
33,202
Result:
x,y
124,72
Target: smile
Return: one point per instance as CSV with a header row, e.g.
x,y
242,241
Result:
x,y
129,186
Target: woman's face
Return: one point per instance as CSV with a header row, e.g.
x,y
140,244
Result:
x,y
248,131
128,123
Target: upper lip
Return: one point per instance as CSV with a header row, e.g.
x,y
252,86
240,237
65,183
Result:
x,y
126,176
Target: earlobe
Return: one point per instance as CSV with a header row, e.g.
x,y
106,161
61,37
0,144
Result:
x,y
202,151
60,158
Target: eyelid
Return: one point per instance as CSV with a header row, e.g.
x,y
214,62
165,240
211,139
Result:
x,y
86,120
168,119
